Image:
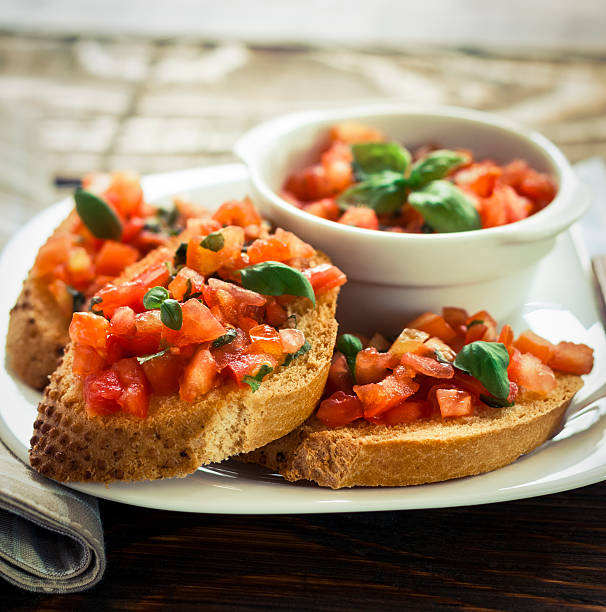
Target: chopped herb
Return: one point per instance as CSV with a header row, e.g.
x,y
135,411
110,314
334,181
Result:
x,y
440,357
291,356
94,301
476,322
78,298
213,242
226,338
350,346
254,382
180,255
150,357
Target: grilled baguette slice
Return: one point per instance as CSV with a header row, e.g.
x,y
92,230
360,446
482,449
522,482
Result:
x,y
178,437
364,454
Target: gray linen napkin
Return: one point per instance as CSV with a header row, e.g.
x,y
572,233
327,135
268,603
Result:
x,y
51,538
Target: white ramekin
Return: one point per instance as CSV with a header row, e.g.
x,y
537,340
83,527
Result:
x,y
393,276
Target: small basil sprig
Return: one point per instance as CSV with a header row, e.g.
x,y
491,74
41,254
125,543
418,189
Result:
x,y
97,215
276,278
146,358
78,298
180,255
170,310
371,158
445,207
226,338
304,349
384,193
254,382
350,346
486,362
213,242
434,166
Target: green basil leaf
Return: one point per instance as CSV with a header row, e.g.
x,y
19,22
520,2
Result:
x,y
180,255
445,207
304,349
435,166
155,297
476,322
350,346
171,314
150,357
93,302
213,242
486,362
276,278
226,338
384,193
495,402
371,158
97,215
254,382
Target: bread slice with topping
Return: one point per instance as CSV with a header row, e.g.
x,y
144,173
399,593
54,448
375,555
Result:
x,y
365,454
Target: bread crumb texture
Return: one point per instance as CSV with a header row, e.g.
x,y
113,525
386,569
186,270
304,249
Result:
x,y
364,454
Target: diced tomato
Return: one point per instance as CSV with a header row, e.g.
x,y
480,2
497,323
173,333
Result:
x,y
163,373
199,325
80,268
206,261
427,365
324,277
114,257
528,182
292,340
410,341
490,333
63,297
53,253
265,339
86,360
135,396
434,325
132,228
454,403
229,352
310,184
529,342
101,391
339,375
199,376
234,301
435,344
186,283
336,161
297,247
123,322
275,314
469,384
407,411
268,249
529,372
372,366
456,318
380,397
124,193
248,364
506,336
572,358
352,132
238,212
89,329
326,208
340,409
480,177
360,216
201,226
476,332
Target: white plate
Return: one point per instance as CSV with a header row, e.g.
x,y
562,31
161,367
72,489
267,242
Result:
x,y
576,457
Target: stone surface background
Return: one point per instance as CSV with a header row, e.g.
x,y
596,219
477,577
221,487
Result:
x,y
152,105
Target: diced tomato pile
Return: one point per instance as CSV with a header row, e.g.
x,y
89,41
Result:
x,y
502,194
125,352
414,376
75,261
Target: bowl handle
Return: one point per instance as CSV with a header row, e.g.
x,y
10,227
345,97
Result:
x,y
582,199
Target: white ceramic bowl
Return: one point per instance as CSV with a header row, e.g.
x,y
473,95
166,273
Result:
x,y
394,276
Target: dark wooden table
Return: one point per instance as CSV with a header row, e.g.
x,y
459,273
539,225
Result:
x,y
546,553
160,110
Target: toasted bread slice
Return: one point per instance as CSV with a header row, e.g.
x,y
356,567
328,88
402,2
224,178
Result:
x,y
177,437
365,454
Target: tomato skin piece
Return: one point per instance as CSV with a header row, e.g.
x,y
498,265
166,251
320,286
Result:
x,y
454,403
529,342
427,366
572,358
407,411
89,329
360,216
114,257
324,277
380,397
199,376
340,409
372,366
101,392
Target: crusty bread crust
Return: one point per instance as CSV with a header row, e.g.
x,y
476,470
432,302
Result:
x,y
178,437
364,454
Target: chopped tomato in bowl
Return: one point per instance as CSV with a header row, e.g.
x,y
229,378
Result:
x,y
419,375
203,317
